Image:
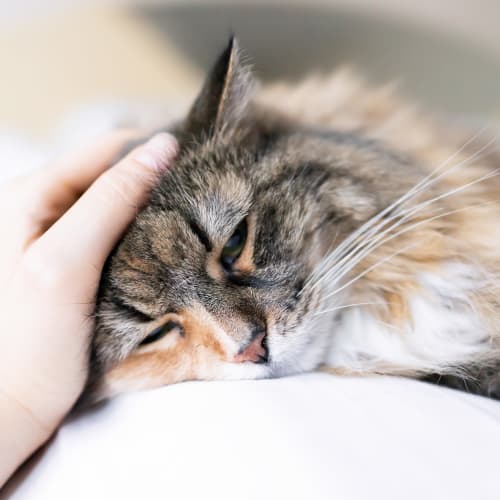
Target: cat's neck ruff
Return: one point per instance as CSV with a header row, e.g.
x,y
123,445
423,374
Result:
x,y
442,330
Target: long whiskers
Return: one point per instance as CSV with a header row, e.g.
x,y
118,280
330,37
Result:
x,y
371,268
357,254
356,304
371,227
375,232
347,269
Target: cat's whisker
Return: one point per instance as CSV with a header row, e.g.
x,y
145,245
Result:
x,y
432,177
371,268
365,247
407,214
391,237
346,268
357,254
423,184
394,328
485,177
338,273
333,309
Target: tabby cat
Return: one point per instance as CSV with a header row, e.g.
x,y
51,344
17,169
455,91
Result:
x,y
320,225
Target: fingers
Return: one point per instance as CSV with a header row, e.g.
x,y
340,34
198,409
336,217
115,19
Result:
x,y
52,190
89,230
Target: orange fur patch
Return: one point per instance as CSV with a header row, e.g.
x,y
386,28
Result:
x,y
201,345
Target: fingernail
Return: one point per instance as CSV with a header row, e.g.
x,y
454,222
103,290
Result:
x,y
158,152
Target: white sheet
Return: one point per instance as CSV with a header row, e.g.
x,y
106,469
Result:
x,y
307,437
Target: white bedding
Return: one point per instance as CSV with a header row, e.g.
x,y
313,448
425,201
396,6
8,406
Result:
x,y
307,437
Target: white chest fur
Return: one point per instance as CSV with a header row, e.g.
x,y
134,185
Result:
x,y
443,331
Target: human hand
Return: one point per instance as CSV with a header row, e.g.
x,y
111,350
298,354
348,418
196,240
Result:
x,y
57,227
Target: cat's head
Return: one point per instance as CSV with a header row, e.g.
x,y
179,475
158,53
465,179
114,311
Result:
x,y
212,280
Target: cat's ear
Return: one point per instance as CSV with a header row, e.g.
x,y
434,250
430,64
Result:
x,y
225,95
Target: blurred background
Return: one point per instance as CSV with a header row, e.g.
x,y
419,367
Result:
x,y
73,68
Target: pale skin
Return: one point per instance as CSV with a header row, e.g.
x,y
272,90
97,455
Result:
x,y
57,227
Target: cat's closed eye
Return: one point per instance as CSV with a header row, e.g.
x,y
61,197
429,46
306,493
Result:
x,y
160,332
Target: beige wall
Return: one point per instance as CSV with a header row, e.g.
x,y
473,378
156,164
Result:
x,y
52,64
56,56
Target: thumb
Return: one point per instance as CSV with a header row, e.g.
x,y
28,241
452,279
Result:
x,y
90,229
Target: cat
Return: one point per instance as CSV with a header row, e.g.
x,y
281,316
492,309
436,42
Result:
x,y
318,225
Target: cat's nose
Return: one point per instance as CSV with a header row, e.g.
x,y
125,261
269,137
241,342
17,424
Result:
x,y
256,349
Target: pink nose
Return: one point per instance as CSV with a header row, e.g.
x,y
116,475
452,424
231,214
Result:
x,y
255,351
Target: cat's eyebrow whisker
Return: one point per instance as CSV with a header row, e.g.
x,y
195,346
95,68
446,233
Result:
x,y
368,228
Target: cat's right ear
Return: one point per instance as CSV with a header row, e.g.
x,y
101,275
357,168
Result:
x,y
224,97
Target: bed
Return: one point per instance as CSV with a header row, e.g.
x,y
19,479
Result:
x,y
313,436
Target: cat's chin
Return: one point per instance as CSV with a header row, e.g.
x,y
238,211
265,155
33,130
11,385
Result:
x,y
299,350
302,350
110,387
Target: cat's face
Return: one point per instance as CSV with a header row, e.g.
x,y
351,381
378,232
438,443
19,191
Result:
x,y
210,282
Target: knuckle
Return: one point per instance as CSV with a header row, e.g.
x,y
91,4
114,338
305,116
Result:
x,y
122,186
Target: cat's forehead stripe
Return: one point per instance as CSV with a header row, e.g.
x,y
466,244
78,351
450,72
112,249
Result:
x,y
200,233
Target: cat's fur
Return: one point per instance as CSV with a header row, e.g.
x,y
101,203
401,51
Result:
x,y
311,166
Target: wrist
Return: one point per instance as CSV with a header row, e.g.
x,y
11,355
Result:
x,y
22,434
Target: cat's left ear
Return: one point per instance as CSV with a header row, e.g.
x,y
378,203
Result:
x,y
224,97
